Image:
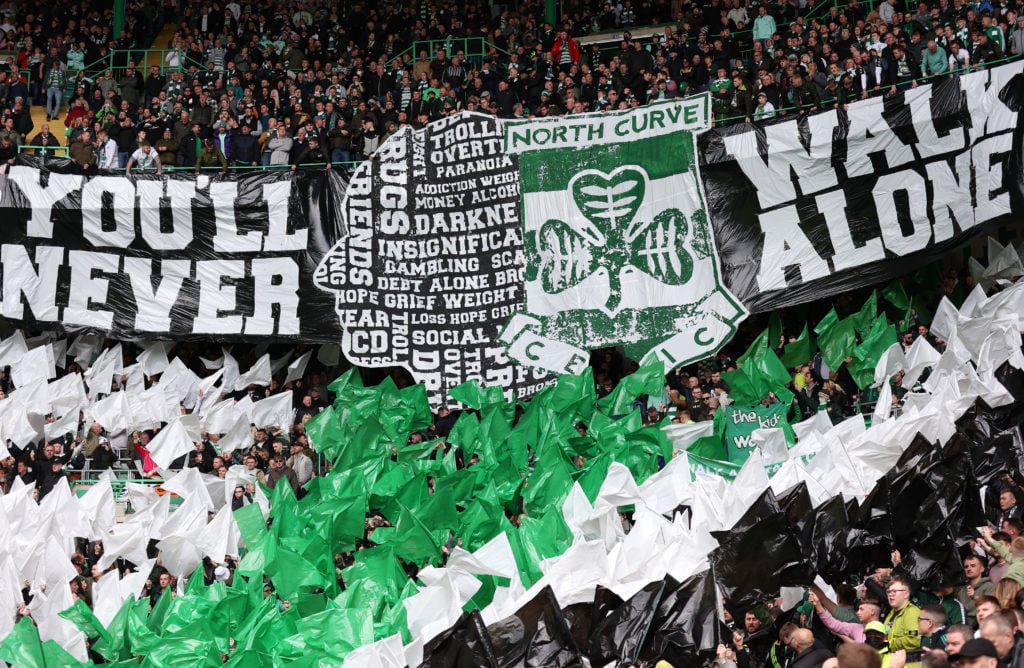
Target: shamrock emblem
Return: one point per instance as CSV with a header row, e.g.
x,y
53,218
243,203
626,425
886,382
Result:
x,y
613,234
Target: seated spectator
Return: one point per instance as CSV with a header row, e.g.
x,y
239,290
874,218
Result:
x,y
46,141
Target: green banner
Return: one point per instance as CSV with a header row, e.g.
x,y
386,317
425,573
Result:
x,y
700,464
619,249
740,423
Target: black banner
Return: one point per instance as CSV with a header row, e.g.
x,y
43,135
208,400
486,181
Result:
x,y
431,264
172,256
806,207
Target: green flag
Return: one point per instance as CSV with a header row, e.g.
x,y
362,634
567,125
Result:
x,y
743,385
800,351
895,294
412,540
838,342
22,646
648,379
251,523
826,323
117,644
757,349
379,571
706,465
81,616
871,349
863,319
741,421
774,331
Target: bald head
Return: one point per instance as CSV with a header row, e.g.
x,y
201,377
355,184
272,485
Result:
x,y
803,639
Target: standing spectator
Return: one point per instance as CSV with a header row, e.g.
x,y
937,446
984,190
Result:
x,y
740,104
986,51
1008,507
300,463
106,151
131,85
279,470
934,61
56,81
222,139
126,137
904,70
764,108
144,159
211,156
280,146
565,51
902,618
167,148
82,152
190,145
340,138
312,154
764,25
245,147
809,654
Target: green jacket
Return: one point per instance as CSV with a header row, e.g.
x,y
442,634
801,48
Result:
x,y
903,631
211,157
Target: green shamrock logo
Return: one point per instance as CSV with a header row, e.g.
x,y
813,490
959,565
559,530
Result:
x,y
612,236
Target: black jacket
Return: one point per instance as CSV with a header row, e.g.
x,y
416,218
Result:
x,y
813,657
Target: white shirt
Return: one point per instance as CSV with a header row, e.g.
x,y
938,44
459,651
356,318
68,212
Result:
x,y
106,155
143,161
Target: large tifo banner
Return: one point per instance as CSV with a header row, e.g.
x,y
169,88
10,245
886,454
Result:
x,y
172,256
505,251
508,251
804,208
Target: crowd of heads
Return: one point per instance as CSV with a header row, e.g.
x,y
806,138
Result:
x,y
315,83
889,619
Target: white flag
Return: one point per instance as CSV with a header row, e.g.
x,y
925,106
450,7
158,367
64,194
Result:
x,y
297,368
259,374
172,442
153,359
274,411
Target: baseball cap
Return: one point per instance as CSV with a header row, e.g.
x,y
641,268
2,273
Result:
x,y
221,573
974,648
877,627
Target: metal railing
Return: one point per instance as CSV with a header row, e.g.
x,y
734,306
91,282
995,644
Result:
x,y
61,153
117,62
474,49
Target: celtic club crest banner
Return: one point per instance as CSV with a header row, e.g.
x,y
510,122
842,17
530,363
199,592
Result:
x,y
619,248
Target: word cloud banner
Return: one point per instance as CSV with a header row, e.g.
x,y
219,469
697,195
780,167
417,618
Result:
x,y
172,256
431,262
806,207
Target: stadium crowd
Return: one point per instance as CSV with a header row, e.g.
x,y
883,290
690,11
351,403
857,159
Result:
x,y
895,619
318,83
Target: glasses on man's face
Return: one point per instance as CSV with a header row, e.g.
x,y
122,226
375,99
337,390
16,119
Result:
x,y
897,591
